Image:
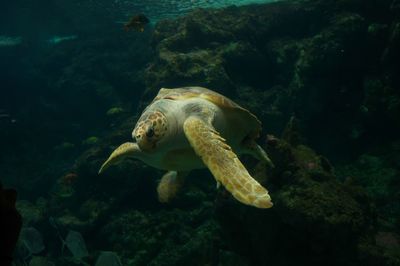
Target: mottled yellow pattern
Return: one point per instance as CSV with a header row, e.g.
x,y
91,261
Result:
x,y
200,93
154,121
169,186
224,164
124,150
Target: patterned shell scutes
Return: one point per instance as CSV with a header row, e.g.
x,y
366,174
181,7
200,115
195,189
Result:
x,y
196,92
212,96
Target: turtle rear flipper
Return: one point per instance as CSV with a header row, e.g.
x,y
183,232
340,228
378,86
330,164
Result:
x,y
170,184
224,164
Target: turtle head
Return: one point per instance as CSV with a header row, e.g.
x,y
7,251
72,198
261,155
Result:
x,y
149,130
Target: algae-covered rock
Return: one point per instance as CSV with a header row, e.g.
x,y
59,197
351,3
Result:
x,y
312,68
32,240
108,258
76,245
372,173
230,258
114,111
324,220
93,140
40,261
69,220
167,237
65,146
378,174
86,217
31,213
93,209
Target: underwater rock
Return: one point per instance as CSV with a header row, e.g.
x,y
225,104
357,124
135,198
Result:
x,y
228,258
387,239
69,220
163,237
90,213
76,244
40,261
65,146
108,258
378,173
114,111
93,140
31,213
375,176
32,240
324,219
63,188
292,133
312,68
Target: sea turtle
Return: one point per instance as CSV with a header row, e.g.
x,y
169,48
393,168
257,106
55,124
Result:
x,y
182,130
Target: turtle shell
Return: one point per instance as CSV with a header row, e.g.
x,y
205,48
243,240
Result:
x,y
236,114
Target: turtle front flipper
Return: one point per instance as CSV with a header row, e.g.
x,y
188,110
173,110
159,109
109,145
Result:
x,y
170,184
224,164
128,149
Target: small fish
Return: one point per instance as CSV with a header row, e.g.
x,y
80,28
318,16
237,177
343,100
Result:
x,y
6,41
6,117
58,39
137,22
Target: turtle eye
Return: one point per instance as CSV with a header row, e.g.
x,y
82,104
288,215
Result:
x,y
150,132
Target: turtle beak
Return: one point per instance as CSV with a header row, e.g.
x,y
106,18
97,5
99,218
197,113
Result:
x,y
126,150
146,145
146,139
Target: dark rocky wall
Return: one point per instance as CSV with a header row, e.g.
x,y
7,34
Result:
x,y
330,63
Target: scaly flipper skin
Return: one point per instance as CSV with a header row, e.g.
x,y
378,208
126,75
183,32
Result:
x,y
169,186
224,164
128,149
